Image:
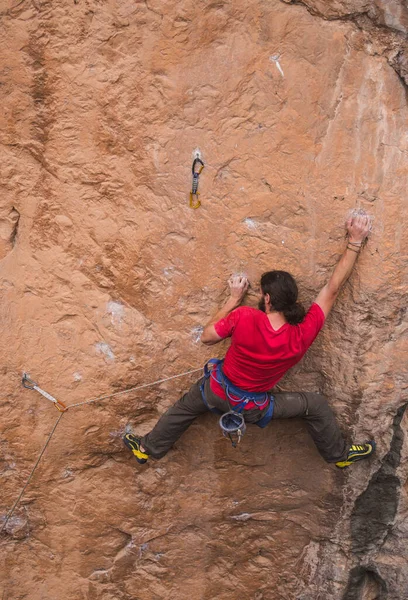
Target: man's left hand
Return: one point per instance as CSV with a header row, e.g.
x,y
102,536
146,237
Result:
x,y
238,286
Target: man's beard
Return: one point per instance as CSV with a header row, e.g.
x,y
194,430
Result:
x,y
261,304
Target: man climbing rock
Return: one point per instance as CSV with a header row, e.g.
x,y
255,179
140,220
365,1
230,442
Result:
x,y
265,343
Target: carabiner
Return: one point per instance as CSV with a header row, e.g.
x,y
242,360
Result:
x,y
194,201
60,406
197,161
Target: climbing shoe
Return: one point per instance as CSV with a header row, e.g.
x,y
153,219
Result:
x,y
357,452
133,443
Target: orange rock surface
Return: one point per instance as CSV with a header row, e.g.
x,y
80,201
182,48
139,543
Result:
x,y
300,113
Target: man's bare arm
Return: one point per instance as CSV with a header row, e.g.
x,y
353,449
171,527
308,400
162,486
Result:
x,y
238,288
358,229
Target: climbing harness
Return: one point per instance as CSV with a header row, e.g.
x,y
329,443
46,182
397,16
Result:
x,y
198,166
31,385
237,400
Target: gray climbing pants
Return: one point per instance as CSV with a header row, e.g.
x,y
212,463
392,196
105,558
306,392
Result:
x,y
313,408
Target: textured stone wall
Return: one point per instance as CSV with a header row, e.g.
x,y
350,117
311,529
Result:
x,y
300,112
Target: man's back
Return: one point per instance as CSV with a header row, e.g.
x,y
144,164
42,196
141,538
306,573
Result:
x,y
259,356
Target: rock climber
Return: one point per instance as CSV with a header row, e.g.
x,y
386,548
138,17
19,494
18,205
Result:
x,y
265,343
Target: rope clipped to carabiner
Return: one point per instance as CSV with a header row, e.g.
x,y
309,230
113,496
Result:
x,y
198,166
31,385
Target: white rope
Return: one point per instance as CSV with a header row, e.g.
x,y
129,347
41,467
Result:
x,y
133,389
13,508
99,398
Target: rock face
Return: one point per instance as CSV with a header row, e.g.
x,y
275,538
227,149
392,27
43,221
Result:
x,y
299,110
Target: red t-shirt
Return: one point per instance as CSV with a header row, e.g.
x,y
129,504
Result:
x,y
259,356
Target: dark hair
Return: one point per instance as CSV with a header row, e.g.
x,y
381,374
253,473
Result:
x,y
283,292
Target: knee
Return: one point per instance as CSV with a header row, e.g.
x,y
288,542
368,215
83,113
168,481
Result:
x,y
317,404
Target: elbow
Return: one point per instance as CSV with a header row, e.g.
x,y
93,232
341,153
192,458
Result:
x,y
332,290
209,337
206,341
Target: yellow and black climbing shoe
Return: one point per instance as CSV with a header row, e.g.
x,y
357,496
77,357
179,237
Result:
x,y
357,452
133,442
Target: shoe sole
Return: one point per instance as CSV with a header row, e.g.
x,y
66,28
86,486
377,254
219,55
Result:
x,y
136,452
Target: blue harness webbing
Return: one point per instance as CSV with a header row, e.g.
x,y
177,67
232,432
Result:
x,y
233,393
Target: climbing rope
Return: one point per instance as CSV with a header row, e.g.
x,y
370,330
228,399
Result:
x,y
37,462
138,387
29,384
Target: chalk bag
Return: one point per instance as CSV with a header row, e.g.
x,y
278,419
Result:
x,y
233,427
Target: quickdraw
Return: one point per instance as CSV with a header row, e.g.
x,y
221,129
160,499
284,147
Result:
x,y
198,166
31,385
